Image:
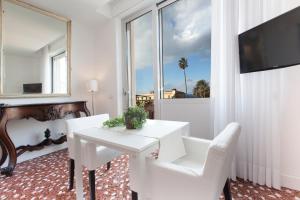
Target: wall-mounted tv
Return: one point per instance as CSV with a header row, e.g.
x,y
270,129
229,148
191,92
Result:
x,y
273,44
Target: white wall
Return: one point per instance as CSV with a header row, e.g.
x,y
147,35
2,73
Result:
x,y
196,111
22,69
290,138
83,64
106,70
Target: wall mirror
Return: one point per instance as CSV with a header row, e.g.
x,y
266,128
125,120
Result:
x,y
35,51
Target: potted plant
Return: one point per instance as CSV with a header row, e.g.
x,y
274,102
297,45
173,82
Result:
x,y
135,117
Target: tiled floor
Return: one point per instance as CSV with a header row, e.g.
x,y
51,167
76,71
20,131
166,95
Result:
x,y
46,177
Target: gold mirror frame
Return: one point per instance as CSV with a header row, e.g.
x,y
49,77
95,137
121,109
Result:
x,y
43,12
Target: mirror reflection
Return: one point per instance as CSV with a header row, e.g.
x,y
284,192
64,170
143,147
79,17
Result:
x,y
34,52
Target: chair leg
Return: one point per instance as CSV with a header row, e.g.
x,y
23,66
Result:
x,y
134,195
108,165
92,184
227,191
71,173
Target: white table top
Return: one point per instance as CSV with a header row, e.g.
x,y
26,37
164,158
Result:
x,y
137,140
123,141
160,128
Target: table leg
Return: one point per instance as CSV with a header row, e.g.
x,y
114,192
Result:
x,y
3,153
134,195
138,174
7,143
78,169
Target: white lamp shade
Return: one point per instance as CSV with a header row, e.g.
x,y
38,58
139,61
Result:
x,y
92,85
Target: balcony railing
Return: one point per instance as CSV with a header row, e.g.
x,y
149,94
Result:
x,y
148,103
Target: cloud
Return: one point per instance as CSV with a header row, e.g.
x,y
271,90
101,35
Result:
x,y
187,27
186,31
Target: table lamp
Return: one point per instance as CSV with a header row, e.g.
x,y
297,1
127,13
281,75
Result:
x,y
92,88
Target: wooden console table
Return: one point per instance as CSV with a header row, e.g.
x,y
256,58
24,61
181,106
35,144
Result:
x,y
40,112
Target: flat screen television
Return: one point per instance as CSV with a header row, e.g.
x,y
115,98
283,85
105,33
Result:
x,y
273,44
32,88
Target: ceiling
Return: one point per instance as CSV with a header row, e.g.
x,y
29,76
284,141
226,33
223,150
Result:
x,y
90,12
26,31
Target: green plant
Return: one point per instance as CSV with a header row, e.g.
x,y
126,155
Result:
x,y
135,117
118,121
202,89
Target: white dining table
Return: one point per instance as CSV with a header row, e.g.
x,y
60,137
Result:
x,y
139,144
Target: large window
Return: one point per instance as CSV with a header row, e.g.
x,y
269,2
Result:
x,y
59,74
139,34
186,49
168,53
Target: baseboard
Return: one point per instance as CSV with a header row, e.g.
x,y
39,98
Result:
x,y
291,182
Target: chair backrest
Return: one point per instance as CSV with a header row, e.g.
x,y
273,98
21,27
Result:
x,y
220,157
78,124
85,123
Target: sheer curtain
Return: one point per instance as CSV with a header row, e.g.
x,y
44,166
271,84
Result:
x,y
225,88
259,157
254,99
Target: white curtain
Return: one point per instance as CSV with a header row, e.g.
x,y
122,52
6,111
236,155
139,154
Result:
x,y
259,150
225,64
254,99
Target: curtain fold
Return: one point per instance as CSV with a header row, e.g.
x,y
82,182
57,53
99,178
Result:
x,y
254,99
262,105
225,66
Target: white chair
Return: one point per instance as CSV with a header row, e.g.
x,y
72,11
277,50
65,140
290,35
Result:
x,y
92,158
201,174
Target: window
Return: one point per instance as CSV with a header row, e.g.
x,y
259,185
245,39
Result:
x,y
59,74
186,49
168,54
139,34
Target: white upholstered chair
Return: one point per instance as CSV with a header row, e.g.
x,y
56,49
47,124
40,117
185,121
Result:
x,y
201,174
92,156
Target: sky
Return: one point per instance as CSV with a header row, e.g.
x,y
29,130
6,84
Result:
x,y
186,26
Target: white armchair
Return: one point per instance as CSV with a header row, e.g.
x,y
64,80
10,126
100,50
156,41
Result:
x,y
92,156
201,173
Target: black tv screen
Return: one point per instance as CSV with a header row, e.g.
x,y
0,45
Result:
x,y
273,44
32,88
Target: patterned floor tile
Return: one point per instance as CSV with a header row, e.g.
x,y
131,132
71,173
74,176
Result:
x,y
46,178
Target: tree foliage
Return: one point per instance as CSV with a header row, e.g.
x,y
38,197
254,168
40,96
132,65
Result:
x,y
183,64
202,89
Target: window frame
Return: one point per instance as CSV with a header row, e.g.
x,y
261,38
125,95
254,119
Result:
x,y
157,45
160,6
126,57
52,67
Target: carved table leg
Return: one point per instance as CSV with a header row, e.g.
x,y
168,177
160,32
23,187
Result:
x,y
86,110
11,150
48,141
77,114
3,153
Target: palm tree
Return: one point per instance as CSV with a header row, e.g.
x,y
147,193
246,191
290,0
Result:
x,y
183,63
202,89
